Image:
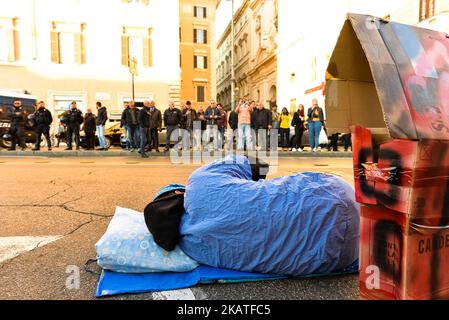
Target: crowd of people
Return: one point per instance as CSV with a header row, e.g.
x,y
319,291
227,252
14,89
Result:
x,y
250,124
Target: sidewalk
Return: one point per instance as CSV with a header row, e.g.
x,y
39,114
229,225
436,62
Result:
x,y
118,152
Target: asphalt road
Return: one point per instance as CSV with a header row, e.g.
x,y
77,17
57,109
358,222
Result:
x,y
58,208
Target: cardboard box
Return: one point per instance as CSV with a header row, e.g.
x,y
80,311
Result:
x,y
388,83
412,259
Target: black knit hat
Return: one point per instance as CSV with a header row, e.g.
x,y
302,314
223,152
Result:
x,y
163,217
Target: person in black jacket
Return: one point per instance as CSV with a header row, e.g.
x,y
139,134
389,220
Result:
x,y
190,117
155,126
42,121
101,122
261,119
145,125
89,127
212,116
130,121
316,122
298,123
73,120
172,119
17,117
233,121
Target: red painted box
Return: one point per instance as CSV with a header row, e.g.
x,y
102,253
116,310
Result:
x,y
388,84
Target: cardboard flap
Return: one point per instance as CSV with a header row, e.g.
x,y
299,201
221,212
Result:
x,y
408,68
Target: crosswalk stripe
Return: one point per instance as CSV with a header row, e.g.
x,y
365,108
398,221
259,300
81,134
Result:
x,y
183,294
11,247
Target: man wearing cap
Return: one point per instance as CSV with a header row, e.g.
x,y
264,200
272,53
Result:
x,y
73,119
17,117
42,119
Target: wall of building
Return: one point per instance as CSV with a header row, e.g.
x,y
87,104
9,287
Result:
x,y
263,61
304,50
192,77
102,75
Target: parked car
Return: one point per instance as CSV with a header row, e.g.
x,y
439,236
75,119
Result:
x,y
162,134
112,132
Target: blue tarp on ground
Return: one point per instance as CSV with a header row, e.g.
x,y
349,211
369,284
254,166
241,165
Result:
x,y
302,224
113,283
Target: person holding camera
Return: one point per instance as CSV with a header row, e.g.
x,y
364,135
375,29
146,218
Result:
x,y
244,110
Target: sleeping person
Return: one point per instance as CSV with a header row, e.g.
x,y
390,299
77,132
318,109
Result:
x,y
229,216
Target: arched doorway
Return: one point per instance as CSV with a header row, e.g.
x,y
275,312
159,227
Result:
x,y
273,96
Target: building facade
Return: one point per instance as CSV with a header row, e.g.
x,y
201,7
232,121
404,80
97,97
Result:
x,y
263,61
241,51
79,50
306,41
223,70
197,51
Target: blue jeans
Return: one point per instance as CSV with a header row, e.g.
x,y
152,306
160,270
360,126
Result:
x,y
244,134
132,135
314,133
101,138
128,137
144,138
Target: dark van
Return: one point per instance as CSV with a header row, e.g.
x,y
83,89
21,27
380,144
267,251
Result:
x,y
6,105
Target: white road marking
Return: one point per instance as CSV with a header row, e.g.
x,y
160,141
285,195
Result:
x,y
183,294
11,247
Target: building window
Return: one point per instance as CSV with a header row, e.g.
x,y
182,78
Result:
x,y
137,43
66,48
199,12
200,94
4,45
67,44
200,62
426,9
9,41
200,36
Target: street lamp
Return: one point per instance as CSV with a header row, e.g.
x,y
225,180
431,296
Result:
x,y
232,59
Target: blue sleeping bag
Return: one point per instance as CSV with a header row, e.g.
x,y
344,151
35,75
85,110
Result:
x,y
307,223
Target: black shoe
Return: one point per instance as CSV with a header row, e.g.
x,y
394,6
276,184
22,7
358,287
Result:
x,y
49,149
68,148
157,150
145,155
11,149
23,148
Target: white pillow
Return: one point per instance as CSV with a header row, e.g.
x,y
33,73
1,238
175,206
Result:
x,y
128,246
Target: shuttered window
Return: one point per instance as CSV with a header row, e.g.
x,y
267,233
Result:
x,y
125,50
200,36
426,9
200,93
4,45
54,39
200,62
68,47
9,45
147,52
199,12
138,47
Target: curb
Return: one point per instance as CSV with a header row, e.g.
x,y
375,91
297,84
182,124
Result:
x,y
110,154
